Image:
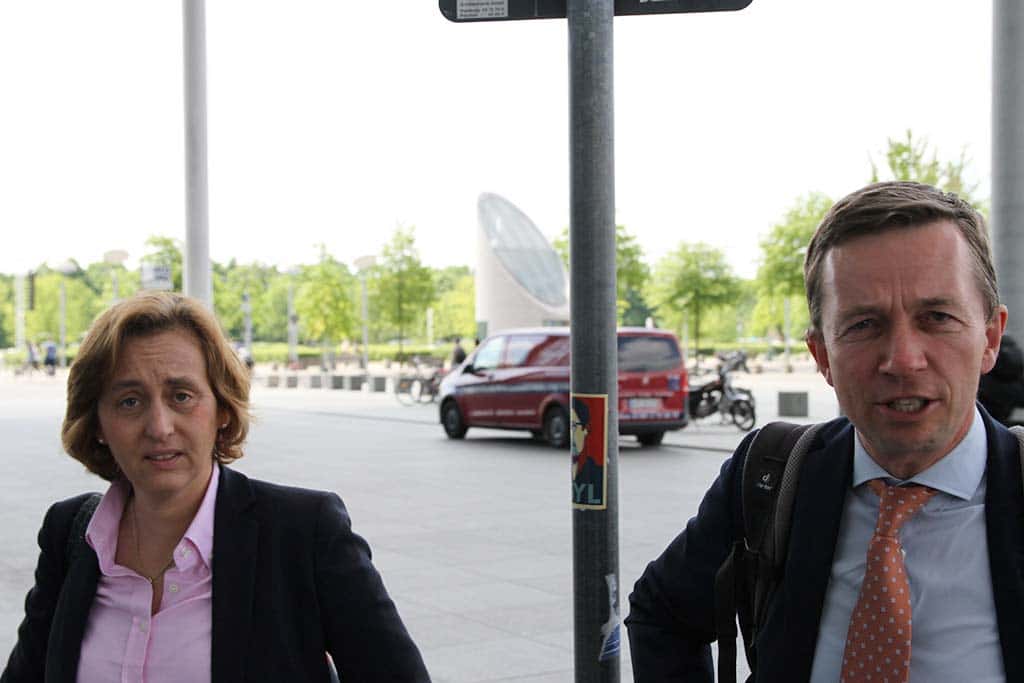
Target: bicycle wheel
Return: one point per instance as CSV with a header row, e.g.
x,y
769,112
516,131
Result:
x,y
742,413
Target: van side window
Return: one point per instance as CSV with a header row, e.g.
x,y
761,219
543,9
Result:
x,y
518,349
489,355
553,351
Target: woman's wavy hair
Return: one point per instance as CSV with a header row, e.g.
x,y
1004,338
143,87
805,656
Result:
x,y
140,316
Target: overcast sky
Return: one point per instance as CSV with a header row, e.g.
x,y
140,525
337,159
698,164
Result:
x,y
335,120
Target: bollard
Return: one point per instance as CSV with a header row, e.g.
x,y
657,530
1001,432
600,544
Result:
x,y
792,404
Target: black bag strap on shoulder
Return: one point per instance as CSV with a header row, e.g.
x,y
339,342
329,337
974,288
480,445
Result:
x,y
753,568
1018,432
76,538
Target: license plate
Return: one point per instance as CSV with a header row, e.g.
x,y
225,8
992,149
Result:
x,y
640,405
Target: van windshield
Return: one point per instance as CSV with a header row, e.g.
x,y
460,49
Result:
x,y
648,354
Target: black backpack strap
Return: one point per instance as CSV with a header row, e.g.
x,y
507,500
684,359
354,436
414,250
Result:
x,y
76,538
763,477
752,570
1018,432
728,582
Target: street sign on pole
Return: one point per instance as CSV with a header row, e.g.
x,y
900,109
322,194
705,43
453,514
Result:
x,y
505,10
593,409
155,276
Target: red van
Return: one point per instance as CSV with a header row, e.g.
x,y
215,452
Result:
x,y
519,379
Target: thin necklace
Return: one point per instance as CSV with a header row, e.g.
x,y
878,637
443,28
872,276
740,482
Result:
x,y
138,550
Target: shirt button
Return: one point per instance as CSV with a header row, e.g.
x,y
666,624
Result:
x,y
173,588
183,552
142,627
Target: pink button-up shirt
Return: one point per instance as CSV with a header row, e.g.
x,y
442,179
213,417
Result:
x,y
123,641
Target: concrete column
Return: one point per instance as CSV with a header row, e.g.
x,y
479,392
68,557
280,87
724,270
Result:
x,y
197,237
1008,157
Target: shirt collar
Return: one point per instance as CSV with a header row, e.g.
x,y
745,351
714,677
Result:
x,y
958,473
101,533
200,531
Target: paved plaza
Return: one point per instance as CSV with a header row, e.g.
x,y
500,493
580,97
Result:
x,y
473,538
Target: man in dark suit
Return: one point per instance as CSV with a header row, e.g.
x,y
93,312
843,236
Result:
x,y
908,506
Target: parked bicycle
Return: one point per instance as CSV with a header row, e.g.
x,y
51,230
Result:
x,y
420,386
720,396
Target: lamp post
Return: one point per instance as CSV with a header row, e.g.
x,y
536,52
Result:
x,y
363,264
247,312
293,319
65,269
115,257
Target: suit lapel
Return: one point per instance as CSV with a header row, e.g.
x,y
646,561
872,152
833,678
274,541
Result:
x,y
69,619
234,567
817,511
1004,524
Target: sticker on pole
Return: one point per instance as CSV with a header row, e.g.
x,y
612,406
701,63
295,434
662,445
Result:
x,y
588,424
481,9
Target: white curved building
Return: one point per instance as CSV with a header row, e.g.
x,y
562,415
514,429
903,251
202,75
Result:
x,y
520,279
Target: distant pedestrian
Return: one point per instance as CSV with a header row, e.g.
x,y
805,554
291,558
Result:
x,y
32,357
1002,388
458,353
50,356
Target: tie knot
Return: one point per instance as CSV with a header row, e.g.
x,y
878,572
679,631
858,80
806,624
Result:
x,y
897,504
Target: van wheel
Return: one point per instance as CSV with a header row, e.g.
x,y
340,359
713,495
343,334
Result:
x,y
556,427
451,418
650,438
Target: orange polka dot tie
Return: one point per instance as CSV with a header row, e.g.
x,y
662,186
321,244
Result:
x,y
878,641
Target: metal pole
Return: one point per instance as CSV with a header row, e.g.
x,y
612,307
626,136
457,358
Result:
x,y
366,336
597,632
786,307
293,323
19,311
247,310
197,238
63,324
1008,156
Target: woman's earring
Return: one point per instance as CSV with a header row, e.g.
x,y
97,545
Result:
x,y
101,441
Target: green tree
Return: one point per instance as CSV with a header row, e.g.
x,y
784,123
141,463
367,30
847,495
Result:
x,y
165,251
691,281
631,274
325,301
401,286
6,311
99,277
231,282
82,305
780,276
270,308
910,158
455,307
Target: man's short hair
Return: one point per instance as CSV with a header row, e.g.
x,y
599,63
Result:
x,y
140,316
891,205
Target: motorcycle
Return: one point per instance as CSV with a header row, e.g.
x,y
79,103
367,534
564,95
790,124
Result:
x,y
721,396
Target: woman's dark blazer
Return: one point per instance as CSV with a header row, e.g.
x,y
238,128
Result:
x,y
291,581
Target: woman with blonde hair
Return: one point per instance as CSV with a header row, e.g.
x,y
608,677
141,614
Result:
x,y
185,569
